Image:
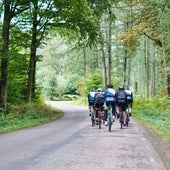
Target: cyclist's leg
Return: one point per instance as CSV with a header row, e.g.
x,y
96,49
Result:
x,y
117,111
106,113
124,113
113,104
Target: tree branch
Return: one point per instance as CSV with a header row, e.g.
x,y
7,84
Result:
x,y
158,42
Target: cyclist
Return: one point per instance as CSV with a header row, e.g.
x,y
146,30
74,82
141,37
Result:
x,y
121,101
129,99
90,97
98,100
109,98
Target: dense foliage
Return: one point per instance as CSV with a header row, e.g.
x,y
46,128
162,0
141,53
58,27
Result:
x,y
24,116
155,115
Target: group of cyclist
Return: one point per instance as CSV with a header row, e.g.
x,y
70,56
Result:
x,y
119,100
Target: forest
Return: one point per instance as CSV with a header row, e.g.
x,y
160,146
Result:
x,y
54,48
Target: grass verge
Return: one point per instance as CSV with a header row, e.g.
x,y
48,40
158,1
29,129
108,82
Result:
x,y
27,115
155,115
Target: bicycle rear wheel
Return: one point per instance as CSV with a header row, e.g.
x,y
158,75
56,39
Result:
x,y
110,128
100,122
121,120
127,119
92,118
93,122
121,125
109,121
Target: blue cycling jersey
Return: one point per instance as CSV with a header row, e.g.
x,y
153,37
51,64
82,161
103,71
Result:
x,y
110,95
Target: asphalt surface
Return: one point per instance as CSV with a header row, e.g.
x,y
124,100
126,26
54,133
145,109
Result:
x,y
71,143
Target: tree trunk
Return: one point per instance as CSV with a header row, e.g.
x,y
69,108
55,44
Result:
x,y
163,73
152,71
32,64
125,68
5,55
168,82
129,71
147,67
109,47
84,60
104,66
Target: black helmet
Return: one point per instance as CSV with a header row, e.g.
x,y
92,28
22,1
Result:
x,y
121,88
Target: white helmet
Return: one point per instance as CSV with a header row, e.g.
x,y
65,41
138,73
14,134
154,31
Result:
x,y
99,89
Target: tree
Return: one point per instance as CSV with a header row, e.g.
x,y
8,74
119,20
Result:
x,y
11,9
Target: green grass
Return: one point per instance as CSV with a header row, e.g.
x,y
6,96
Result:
x,y
155,115
24,116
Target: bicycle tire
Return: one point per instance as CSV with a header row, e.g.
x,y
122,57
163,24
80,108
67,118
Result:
x,y
100,122
127,121
92,117
121,120
93,122
121,125
109,123
110,127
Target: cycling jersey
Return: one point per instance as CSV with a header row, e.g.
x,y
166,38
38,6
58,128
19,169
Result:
x,y
91,97
129,95
110,95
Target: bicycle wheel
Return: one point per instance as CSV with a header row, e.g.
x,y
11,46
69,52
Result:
x,y
110,119
121,120
127,119
110,124
127,123
100,117
92,118
100,122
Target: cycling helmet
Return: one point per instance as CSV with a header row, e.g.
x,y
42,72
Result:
x,y
92,89
99,89
126,87
121,88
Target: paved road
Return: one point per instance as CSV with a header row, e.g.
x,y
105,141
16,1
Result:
x,y
71,143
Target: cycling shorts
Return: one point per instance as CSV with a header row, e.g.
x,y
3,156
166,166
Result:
x,y
91,103
122,106
97,105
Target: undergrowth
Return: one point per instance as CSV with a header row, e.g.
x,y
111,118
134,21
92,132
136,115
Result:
x,y
155,115
27,115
